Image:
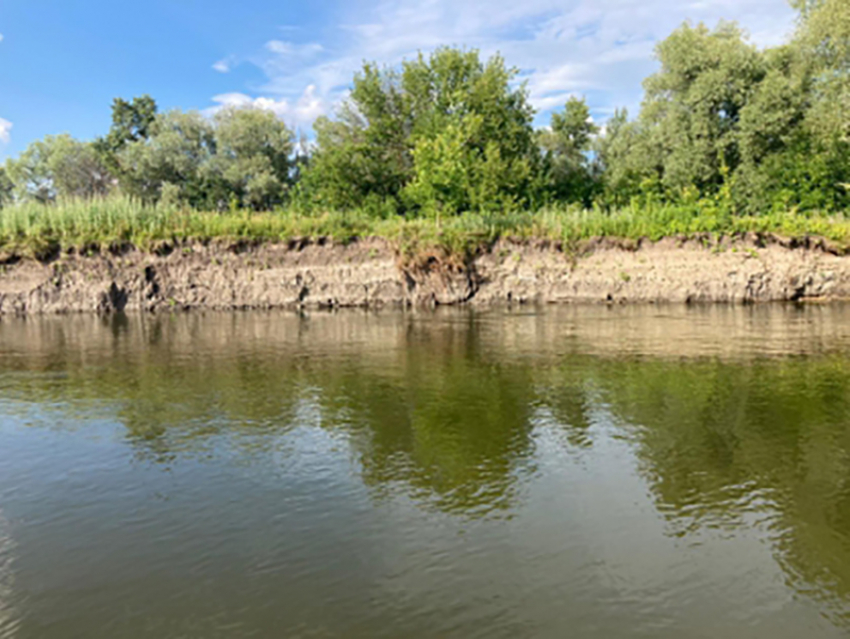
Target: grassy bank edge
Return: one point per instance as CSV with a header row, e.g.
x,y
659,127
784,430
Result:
x,y
34,230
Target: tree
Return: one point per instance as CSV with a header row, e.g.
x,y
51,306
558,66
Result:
x,y
253,156
6,188
131,122
460,102
794,132
724,117
242,157
59,166
171,157
365,154
567,172
623,171
693,104
823,39
825,32
398,125
779,162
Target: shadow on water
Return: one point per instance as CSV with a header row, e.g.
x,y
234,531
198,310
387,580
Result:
x,y
737,417
728,446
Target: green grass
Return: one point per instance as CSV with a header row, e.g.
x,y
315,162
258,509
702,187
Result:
x,y
31,228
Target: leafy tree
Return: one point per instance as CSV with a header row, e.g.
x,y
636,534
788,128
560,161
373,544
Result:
x,y
366,151
693,104
824,40
59,166
460,102
131,121
779,160
6,188
825,33
177,148
622,169
723,117
253,156
567,172
444,169
399,126
241,157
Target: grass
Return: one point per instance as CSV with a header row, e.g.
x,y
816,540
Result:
x,y
31,228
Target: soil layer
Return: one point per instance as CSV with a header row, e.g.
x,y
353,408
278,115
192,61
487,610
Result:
x,y
371,273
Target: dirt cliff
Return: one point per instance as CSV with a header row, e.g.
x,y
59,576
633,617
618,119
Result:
x,y
370,272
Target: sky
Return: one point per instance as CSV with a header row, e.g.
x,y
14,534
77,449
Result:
x,y
62,63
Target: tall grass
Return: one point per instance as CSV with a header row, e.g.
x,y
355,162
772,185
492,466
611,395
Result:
x,y
30,227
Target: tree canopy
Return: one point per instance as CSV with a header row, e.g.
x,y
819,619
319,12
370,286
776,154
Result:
x,y
752,130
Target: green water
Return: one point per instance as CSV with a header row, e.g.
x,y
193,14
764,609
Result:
x,y
562,472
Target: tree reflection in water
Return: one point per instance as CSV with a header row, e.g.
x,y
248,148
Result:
x,y
445,409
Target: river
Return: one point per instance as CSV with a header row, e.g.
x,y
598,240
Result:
x,y
585,471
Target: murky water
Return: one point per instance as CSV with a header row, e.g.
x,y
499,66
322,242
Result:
x,y
583,472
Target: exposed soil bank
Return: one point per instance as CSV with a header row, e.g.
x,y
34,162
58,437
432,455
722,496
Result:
x,y
371,273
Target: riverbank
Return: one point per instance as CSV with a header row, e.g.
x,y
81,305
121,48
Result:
x,y
374,272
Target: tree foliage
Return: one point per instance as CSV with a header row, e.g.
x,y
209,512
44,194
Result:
x,y
131,121
239,157
745,129
169,162
760,129
444,133
7,188
567,172
253,156
58,166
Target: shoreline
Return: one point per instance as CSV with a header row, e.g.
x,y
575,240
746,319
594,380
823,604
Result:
x,y
372,273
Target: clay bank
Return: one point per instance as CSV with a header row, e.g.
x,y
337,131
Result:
x,y
372,273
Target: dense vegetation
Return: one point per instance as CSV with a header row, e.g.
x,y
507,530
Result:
x,y
729,137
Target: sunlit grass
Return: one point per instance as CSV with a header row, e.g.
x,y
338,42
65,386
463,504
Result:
x,y
31,227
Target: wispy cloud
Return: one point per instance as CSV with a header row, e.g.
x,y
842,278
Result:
x,y
223,66
5,131
598,48
299,113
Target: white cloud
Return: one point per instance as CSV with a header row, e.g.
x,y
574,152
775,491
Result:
x,y
1,37
5,130
598,48
223,66
300,113
291,51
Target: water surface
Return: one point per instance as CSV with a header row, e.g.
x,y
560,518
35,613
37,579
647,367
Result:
x,y
588,472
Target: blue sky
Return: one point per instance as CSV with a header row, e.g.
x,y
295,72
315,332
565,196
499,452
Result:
x,y
62,63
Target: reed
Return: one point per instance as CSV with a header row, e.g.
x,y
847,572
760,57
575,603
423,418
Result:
x,y
29,227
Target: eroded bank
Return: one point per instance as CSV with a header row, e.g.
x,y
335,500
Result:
x,y
372,273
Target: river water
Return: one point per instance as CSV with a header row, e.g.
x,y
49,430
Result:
x,y
575,471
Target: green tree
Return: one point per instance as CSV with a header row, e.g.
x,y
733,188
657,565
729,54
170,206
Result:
x,y
253,156
171,159
567,171
693,105
724,117
59,166
365,154
824,40
131,122
622,168
794,131
7,188
399,125
825,33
